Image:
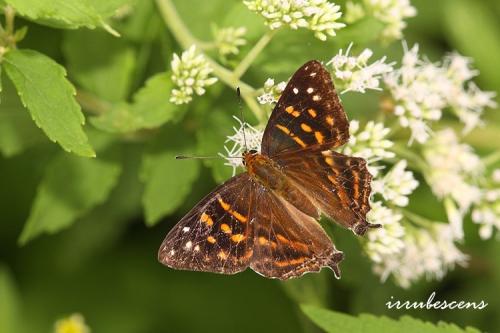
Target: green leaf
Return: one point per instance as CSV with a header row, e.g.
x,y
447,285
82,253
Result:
x,y
100,63
477,38
335,322
109,7
43,88
361,32
69,14
167,181
10,312
17,130
151,108
70,188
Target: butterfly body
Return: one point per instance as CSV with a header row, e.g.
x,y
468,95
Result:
x,y
266,218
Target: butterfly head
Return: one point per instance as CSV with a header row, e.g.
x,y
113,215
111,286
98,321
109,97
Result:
x,y
248,156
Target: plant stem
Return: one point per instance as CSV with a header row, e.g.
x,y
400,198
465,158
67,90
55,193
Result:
x,y
186,39
9,19
240,70
417,219
491,159
416,160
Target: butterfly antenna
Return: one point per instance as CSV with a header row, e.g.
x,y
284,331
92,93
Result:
x,y
189,157
238,92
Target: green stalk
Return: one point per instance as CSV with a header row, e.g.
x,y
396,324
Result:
x,y
240,70
186,39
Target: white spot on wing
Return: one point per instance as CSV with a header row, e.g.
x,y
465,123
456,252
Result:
x,y
189,245
310,90
313,74
185,229
172,252
316,98
295,91
197,248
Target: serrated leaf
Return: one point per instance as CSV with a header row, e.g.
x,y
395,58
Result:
x,y
69,14
109,7
10,312
17,130
43,88
167,181
94,69
151,108
71,187
335,322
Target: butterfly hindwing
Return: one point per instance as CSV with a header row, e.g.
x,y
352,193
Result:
x,y
339,185
216,235
288,242
307,114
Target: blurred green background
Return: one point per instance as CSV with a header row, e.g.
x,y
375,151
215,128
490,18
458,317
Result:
x,y
104,266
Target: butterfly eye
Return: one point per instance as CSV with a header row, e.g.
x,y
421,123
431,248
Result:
x,y
253,152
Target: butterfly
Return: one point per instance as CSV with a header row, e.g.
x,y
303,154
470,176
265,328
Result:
x,y
267,217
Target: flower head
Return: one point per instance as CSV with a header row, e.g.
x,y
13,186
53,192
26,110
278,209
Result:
x,y
392,13
427,253
245,137
396,185
487,212
272,92
190,74
388,240
422,90
354,74
72,324
319,16
229,40
369,143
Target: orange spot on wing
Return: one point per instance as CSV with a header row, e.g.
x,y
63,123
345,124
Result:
x,y
329,120
283,129
292,111
262,240
299,141
211,240
312,112
223,204
282,238
225,228
237,238
329,161
238,216
205,218
319,137
222,255
306,128
291,262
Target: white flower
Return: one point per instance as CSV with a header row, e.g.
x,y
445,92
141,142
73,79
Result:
x,y
229,40
271,92
487,212
246,137
388,240
190,74
396,185
423,90
392,13
370,143
354,73
353,12
74,324
319,16
427,253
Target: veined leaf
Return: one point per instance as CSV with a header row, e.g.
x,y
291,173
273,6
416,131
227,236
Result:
x,y
10,312
335,322
43,88
167,181
17,130
151,108
69,14
71,187
94,69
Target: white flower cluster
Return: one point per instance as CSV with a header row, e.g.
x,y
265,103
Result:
x,y
229,40
272,92
190,74
396,185
422,90
319,16
428,252
452,173
354,74
487,212
390,12
369,143
245,137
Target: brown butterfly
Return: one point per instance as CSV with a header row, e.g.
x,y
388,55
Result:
x,y
266,217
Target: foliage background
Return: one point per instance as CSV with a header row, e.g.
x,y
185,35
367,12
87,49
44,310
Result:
x,y
105,265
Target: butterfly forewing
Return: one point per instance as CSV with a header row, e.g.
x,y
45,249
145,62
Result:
x,y
216,235
307,114
287,242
